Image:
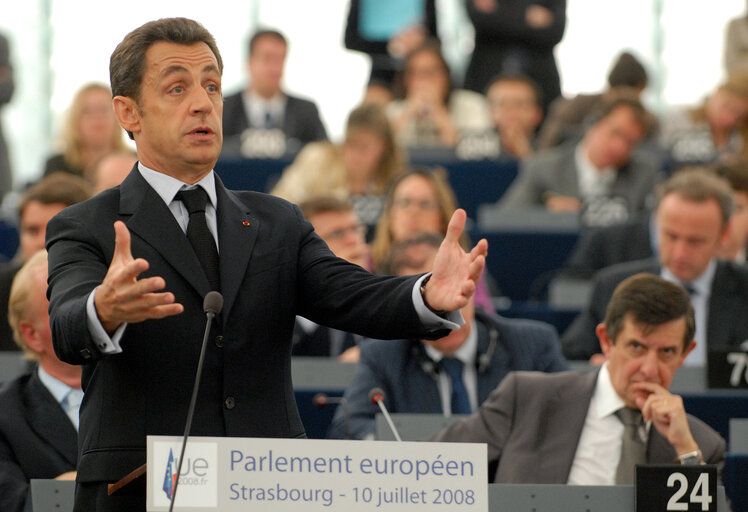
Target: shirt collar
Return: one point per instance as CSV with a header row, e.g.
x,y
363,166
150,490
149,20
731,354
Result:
x,y
702,284
466,353
167,186
605,399
57,388
589,173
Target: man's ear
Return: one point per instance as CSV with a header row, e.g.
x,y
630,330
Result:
x,y
28,332
127,112
602,335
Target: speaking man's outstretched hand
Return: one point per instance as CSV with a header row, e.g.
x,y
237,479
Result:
x,y
456,272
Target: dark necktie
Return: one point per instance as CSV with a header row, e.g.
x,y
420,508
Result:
x,y
633,448
460,401
199,235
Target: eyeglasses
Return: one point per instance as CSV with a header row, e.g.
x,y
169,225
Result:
x,y
339,234
422,204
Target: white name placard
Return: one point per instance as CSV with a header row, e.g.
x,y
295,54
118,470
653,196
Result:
x,y
223,473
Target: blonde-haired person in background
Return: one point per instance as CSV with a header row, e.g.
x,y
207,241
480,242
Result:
x,y
90,131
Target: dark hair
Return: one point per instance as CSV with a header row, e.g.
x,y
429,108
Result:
x,y
698,185
431,45
398,256
265,33
517,77
58,187
127,63
652,301
323,204
613,101
736,174
627,71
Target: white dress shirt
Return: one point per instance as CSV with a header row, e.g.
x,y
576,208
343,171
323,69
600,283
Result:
x,y
258,109
593,182
599,450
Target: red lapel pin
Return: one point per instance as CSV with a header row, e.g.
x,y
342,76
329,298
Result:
x,y
246,223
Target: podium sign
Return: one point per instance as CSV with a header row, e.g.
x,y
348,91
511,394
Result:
x,y
675,487
727,368
223,473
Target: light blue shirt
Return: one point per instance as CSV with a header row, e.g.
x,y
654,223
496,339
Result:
x,y
68,398
467,354
167,187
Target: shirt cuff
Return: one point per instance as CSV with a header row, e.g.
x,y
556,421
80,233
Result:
x,y
105,344
428,318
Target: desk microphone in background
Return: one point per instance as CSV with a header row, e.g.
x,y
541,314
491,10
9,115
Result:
x,y
376,395
322,400
212,305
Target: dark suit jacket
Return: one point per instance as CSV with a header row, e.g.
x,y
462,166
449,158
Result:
x,y
301,121
272,266
397,368
533,421
602,247
37,439
727,322
555,171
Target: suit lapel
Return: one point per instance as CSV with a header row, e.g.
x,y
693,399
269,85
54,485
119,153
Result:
x,y
237,233
151,220
659,450
565,416
47,418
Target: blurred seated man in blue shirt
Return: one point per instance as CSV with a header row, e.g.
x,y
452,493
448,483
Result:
x,y
415,374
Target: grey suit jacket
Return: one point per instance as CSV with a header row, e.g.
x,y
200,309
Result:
x,y
727,323
533,421
37,439
554,171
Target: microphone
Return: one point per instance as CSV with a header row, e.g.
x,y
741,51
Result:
x,y
212,305
323,400
376,395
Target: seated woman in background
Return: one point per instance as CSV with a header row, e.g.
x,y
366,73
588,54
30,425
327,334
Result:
x,y
713,132
418,202
358,170
431,113
89,132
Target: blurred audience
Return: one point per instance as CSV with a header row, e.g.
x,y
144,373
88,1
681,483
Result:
x,y
89,132
358,170
736,44
516,37
693,214
735,241
7,86
370,29
419,201
592,428
602,177
36,207
516,114
38,427
566,117
711,132
337,224
112,169
431,112
264,107
450,375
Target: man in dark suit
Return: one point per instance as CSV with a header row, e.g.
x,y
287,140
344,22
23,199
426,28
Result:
x,y
693,213
264,105
412,372
601,176
138,339
565,427
38,437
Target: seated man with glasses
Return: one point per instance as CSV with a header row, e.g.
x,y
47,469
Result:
x,y
337,224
